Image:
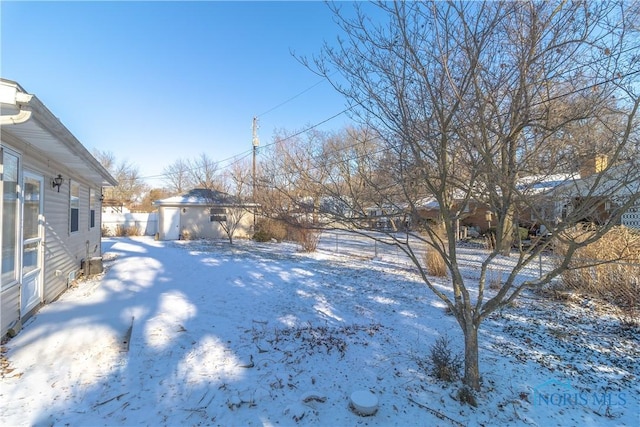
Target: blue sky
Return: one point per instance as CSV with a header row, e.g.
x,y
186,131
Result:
x,y
156,81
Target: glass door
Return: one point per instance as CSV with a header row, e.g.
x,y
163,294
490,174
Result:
x,y
32,236
10,226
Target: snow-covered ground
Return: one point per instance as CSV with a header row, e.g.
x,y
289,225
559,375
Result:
x,y
205,333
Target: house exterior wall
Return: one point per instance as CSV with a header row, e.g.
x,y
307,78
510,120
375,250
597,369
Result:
x,y
631,218
475,216
195,223
63,250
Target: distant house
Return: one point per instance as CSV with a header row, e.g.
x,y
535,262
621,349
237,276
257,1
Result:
x,y
590,196
602,189
477,215
203,213
474,215
51,189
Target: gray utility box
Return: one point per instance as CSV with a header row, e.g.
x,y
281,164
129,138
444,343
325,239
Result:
x,y
94,266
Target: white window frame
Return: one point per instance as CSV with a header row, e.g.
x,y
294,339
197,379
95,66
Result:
x,y
92,208
74,204
17,229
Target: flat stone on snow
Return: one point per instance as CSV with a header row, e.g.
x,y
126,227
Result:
x,y
364,402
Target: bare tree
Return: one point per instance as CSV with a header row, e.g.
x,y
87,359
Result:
x,y
464,100
290,184
177,176
204,173
131,187
237,187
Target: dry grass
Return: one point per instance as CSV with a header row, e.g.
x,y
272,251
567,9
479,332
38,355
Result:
x,y
434,260
608,269
123,231
435,263
187,235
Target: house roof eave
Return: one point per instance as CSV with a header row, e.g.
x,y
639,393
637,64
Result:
x,y
30,121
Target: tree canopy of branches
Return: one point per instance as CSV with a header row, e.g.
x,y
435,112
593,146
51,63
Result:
x,y
131,187
480,102
200,172
236,184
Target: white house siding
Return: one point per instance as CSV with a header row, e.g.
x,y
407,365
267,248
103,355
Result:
x,y
10,309
62,251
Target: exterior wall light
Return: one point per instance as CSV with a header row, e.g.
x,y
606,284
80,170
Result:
x,y
57,182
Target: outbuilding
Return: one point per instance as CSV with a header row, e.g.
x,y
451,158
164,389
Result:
x,y
204,213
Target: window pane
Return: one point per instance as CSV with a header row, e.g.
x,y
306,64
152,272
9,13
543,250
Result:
x,y
30,257
31,207
74,205
92,208
9,216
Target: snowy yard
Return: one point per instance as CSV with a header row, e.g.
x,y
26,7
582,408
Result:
x,y
204,333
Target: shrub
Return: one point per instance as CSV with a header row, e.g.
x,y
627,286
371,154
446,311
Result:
x,y
445,365
608,269
262,236
124,231
268,229
523,233
308,239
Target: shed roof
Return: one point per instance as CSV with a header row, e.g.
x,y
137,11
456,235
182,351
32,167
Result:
x,y
202,197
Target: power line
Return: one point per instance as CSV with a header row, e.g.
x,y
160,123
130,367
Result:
x,y
239,157
393,147
291,99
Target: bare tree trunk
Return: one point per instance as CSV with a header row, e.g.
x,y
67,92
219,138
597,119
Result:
x,y
471,367
505,232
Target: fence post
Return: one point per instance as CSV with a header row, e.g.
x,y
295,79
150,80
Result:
x,y
540,263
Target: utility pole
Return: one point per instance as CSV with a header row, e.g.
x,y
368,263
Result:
x,y
256,142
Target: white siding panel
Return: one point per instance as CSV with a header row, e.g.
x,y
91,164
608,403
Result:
x,y
9,307
63,251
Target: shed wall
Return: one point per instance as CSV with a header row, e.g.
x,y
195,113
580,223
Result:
x,y
195,223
